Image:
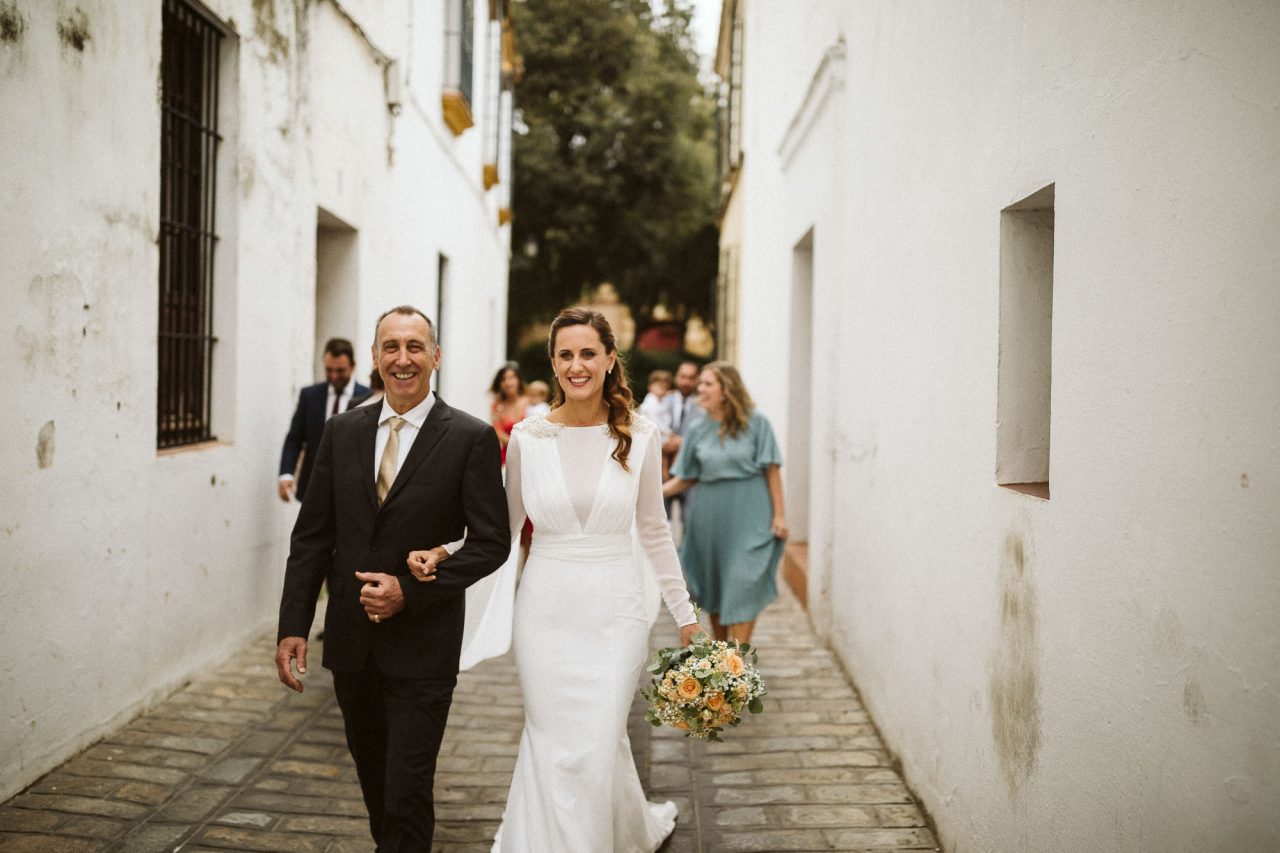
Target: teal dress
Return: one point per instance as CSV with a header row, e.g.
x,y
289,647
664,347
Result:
x,y
730,555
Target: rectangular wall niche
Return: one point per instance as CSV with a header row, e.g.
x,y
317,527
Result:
x,y
1026,336
337,284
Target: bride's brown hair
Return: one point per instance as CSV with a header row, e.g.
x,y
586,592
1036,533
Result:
x,y
617,390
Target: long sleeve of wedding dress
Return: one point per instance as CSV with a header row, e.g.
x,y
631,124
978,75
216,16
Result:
x,y
655,537
515,504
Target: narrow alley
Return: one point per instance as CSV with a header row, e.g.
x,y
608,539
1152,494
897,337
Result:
x,y
234,761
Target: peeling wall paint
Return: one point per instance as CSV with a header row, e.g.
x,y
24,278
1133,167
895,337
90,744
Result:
x,y
73,29
44,446
267,31
12,24
1014,681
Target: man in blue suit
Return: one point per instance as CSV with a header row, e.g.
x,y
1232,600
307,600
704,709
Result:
x,y
316,404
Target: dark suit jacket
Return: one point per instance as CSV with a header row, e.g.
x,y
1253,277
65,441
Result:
x,y
450,480
305,430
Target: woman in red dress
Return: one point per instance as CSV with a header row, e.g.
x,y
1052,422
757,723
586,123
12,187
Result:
x,y
509,403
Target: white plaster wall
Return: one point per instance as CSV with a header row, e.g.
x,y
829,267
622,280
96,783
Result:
x,y
124,571
728,343
1096,672
429,198
337,290
781,201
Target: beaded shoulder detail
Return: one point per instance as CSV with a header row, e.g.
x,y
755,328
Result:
x,y
642,424
538,427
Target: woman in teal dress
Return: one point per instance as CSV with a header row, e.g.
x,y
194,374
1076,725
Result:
x,y
737,524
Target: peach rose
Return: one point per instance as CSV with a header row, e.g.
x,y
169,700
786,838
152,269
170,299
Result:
x,y
742,691
715,701
681,725
733,663
689,687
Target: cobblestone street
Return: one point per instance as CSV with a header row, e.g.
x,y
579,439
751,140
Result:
x,y
234,761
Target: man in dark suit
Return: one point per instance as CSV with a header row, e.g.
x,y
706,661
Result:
x,y
316,404
683,412
389,478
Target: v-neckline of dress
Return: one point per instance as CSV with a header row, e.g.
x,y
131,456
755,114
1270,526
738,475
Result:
x,y
564,484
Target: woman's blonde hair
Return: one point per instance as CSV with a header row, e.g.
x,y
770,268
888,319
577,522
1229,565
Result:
x,y
738,405
617,390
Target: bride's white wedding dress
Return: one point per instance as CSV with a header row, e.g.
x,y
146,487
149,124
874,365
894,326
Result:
x,y
582,616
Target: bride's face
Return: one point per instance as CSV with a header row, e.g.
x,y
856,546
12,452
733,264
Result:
x,y
580,362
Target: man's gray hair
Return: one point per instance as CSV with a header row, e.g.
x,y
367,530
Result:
x,y
408,311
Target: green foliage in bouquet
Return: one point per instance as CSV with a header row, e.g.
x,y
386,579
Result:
x,y
703,688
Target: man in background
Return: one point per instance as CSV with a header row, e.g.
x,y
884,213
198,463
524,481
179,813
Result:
x,y
683,412
316,404
656,407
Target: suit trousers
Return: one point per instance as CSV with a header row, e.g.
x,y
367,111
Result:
x,y
394,728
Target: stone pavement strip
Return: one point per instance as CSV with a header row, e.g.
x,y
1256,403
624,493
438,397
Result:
x,y
233,761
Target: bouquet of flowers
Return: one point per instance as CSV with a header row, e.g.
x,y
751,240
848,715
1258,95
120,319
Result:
x,y
702,688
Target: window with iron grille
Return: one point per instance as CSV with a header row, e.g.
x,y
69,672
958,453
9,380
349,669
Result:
x,y
189,139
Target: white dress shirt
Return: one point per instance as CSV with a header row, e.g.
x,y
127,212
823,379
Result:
x,y
685,412
414,419
659,411
344,399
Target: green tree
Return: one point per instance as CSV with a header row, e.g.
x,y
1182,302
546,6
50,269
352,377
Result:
x,y
615,172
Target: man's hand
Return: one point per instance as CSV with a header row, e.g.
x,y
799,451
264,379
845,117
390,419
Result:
x,y
285,489
688,632
290,648
672,445
381,596
423,564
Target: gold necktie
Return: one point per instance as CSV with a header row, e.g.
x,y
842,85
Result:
x,y
387,466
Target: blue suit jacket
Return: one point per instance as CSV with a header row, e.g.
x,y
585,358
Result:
x,y
305,431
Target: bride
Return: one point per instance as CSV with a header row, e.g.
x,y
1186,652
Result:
x,y
588,475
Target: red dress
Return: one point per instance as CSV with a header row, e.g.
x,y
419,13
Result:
x,y
504,427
